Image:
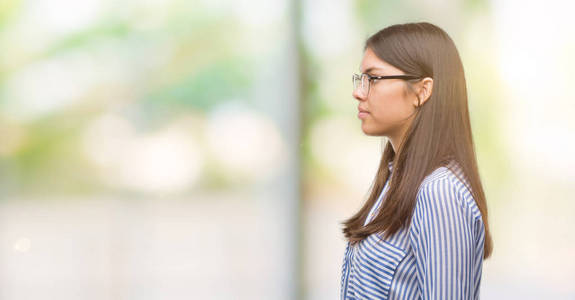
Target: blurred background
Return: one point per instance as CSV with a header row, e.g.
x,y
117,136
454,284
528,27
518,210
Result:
x,y
170,149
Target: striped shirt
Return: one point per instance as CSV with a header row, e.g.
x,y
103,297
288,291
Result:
x,y
439,256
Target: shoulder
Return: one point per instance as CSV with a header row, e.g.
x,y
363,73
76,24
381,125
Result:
x,y
446,188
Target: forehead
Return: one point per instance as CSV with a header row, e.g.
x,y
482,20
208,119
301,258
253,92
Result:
x,y
371,62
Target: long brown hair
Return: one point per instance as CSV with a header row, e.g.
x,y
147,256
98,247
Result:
x,y
439,133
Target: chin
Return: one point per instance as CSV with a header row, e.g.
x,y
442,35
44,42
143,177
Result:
x,y
371,131
373,134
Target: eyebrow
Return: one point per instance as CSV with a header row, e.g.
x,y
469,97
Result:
x,y
370,69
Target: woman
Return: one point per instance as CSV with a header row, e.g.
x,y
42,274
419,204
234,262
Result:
x,y
423,231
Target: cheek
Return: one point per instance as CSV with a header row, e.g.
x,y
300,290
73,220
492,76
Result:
x,y
388,106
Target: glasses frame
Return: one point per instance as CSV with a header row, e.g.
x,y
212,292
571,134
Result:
x,y
370,79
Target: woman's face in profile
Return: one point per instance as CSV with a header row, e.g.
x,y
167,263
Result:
x,y
388,103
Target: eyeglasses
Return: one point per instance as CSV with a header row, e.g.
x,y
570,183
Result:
x,y
363,80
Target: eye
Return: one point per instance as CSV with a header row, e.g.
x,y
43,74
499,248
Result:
x,y
373,78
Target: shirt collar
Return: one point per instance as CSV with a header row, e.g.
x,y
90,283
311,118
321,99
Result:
x,y
390,166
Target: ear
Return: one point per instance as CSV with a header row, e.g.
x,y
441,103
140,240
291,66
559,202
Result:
x,y
425,88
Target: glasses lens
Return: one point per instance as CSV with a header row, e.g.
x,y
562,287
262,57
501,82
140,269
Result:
x,y
356,81
361,82
364,84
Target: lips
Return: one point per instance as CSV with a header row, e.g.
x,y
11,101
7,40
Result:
x,y
362,113
362,110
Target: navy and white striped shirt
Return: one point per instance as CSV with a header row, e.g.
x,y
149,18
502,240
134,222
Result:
x,y
439,256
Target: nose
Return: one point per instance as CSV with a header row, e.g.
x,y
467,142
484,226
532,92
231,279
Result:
x,y
358,95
